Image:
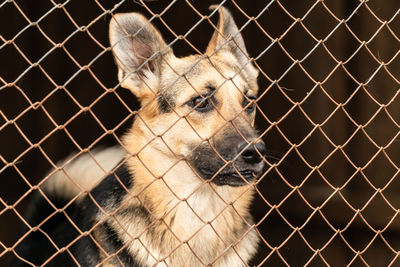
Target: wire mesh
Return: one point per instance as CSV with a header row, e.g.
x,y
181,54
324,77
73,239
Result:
x,y
328,111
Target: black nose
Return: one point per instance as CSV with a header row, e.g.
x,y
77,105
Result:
x,y
252,153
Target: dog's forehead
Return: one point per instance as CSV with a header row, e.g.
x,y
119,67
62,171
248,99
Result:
x,y
193,74
218,67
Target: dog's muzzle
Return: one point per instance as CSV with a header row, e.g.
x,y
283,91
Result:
x,y
234,166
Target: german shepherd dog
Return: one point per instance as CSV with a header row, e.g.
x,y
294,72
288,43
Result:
x,y
180,190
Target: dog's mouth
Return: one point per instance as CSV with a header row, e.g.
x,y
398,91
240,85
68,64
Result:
x,y
228,167
235,178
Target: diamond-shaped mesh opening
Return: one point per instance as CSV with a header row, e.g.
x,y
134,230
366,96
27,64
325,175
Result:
x,y
275,54
35,76
296,241
281,188
317,221
21,100
290,41
315,189
339,86
315,139
318,97
315,72
389,234
337,252
363,16
334,43
384,35
25,123
336,134
296,90
272,94
369,150
178,170
358,183
382,163
360,95
286,168
12,197
380,246
382,78
312,22
329,210
295,116
60,74
274,9
75,12
12,52
361,56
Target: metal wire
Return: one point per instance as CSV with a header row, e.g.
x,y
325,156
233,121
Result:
x,y
383,110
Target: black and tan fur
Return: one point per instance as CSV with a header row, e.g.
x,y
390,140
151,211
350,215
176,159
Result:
x,y
181,191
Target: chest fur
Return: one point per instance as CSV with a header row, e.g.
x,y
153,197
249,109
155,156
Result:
x,y
192,232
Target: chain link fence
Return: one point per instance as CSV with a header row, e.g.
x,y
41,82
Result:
x,y
328,111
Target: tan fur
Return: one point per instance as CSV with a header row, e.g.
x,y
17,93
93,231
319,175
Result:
x,y
200,223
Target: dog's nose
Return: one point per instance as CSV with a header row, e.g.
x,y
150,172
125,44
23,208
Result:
x,y
252,153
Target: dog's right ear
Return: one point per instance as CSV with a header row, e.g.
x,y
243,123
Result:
x,y
139,52
226,30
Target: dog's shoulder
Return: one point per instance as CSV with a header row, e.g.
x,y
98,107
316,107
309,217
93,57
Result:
x,y
104,242
56,223
50,228
112,188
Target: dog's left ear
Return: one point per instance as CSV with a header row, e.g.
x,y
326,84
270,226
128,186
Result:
x,y
227,29
139,51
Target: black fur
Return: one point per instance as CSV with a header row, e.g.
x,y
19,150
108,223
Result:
x,y
165,102
208,159
36,248
115,244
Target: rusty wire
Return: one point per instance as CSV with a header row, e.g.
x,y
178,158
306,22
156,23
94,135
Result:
x,y
294,189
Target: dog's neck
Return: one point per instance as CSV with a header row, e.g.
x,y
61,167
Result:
x,y
163,179
193,222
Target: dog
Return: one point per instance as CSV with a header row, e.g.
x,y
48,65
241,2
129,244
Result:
x,y
177,193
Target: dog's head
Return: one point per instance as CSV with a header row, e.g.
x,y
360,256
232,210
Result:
x,y
199,108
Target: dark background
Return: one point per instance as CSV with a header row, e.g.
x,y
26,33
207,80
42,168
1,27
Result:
x,y
332,131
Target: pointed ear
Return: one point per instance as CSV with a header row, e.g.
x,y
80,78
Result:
x,y
226,30
139,52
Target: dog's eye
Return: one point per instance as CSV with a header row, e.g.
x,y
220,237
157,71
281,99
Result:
x,y
249,103
201,103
